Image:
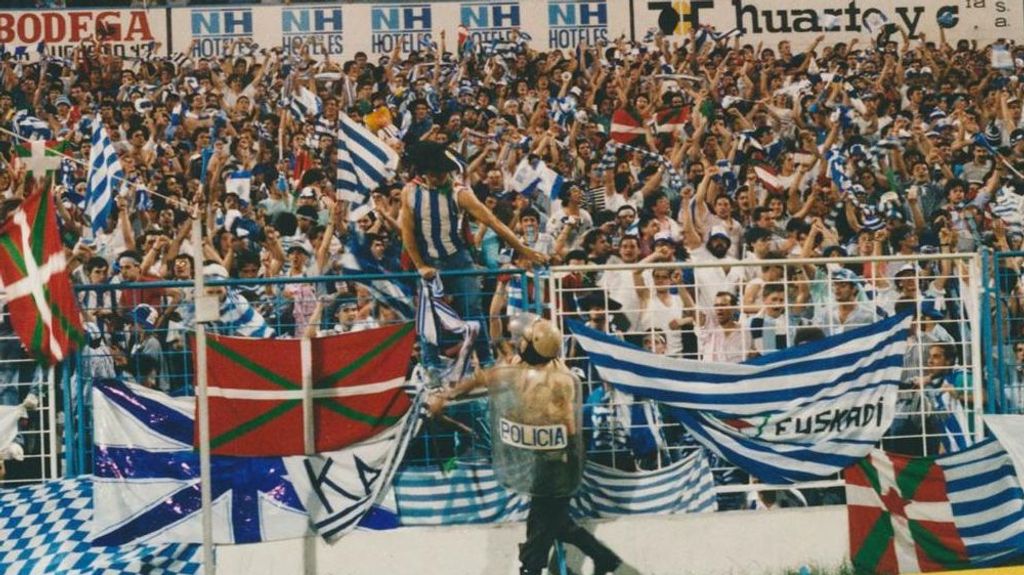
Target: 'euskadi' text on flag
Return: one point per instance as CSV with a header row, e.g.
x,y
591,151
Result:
x,y
146,484
255,388
43,308
794,415
911,515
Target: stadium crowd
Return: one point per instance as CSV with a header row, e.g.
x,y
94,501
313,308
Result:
x,y
713,149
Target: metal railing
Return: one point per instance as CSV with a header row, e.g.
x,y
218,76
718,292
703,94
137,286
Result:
x,y
38,433
1003,301
702,311
805,299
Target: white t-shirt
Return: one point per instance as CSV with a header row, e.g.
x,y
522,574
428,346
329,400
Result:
x,y
711,280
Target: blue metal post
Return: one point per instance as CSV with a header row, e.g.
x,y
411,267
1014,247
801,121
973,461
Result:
x,y
70,468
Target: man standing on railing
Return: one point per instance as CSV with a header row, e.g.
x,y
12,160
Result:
x,y
432,205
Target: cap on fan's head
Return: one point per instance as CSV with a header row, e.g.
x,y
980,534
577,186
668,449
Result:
x,y
431,157
541,342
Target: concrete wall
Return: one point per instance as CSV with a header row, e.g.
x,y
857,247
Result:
x,y
738,543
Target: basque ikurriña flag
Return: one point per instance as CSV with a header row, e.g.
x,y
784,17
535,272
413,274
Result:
x,y
43,308
256,390
909,515
671,120
798,414
627,127
147,490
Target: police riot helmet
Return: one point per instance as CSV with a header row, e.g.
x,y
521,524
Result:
x,y
541,342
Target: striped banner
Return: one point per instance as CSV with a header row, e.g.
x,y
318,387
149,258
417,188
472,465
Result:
x,y
686,486
794,415
471,493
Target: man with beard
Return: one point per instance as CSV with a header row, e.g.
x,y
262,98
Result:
x,y
711,280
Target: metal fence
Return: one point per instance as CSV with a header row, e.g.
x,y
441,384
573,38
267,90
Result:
x,y
670,308
40,431
711,312
1003,300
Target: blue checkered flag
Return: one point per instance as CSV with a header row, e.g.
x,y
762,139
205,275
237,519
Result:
x,y
44,529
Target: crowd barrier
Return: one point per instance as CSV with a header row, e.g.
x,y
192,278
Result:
x,y
39,432
1004,302
377,28
802,305
802,297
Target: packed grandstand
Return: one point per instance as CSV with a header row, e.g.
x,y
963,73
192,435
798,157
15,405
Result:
x,y
706,195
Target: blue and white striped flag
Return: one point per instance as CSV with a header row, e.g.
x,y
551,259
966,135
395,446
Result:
x,y
303,103
471,493
686,486
104,179
798,414
1009,206
365,162
468,494
427,44
394,294
956,430
44,528
31,127
433,314
533,176
988,508
240,182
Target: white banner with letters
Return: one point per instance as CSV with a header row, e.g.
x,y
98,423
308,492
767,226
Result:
x,y
341,30
377,28
128,32
800,21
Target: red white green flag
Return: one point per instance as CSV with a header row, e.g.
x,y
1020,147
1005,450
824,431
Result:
x,y
43,308
911,515
256,390
41,156
627,127
671,120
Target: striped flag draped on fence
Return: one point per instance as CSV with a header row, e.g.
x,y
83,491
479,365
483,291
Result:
x,y
434,315
105,175
364,161
392,293
471,493
798,414
686,486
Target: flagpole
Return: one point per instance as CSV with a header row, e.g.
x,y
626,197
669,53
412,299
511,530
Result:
x,y
308,438
203,400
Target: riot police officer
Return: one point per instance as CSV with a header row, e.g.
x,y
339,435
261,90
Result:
x,y
535,414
